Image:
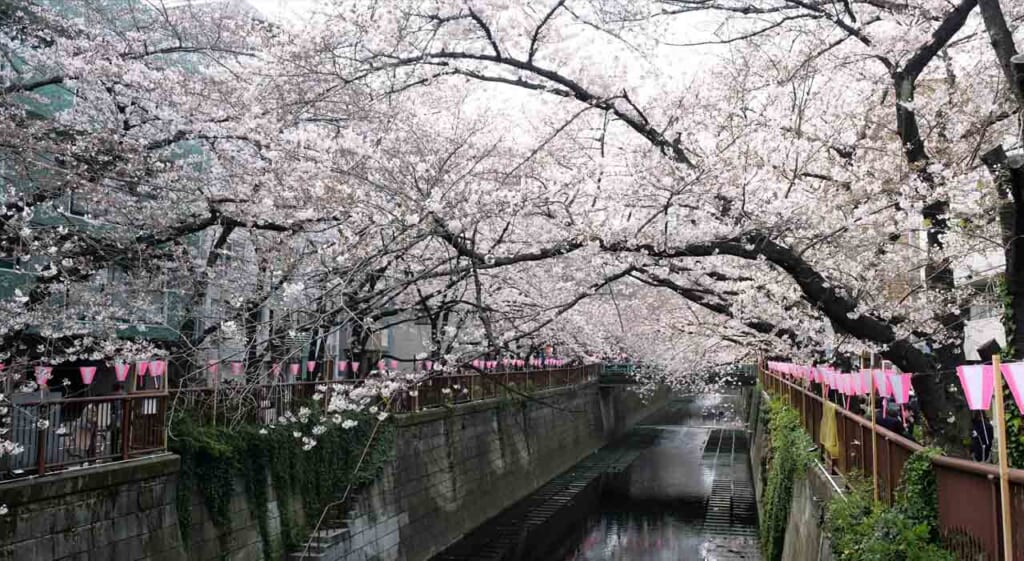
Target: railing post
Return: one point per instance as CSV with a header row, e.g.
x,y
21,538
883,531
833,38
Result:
x,y
889,475
126,427
41,440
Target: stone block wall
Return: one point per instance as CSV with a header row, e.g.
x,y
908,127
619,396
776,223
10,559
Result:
x,y
453,468
241,539
103,513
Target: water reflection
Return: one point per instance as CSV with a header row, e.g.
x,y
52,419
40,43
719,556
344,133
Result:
x,y
640,536
675,488
655,510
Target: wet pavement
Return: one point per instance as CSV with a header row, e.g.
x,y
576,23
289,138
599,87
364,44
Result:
x,y
677,487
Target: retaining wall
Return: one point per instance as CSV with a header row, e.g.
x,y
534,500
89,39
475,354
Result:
x,y
453,469
805,538
108,512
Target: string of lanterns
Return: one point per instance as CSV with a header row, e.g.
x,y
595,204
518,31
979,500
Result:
x,y
158,368
976,380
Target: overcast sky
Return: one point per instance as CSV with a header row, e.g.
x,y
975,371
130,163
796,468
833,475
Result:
x,y
284,8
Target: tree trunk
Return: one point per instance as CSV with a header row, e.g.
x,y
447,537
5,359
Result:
x,y
1008,174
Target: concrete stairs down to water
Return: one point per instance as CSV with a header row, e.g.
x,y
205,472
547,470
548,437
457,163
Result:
x,y
320,543
730,511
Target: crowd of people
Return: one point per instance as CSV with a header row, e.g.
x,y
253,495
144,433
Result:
x,y
903,422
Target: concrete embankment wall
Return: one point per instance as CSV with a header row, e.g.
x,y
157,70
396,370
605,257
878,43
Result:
x,y
805,539
110,512
452,470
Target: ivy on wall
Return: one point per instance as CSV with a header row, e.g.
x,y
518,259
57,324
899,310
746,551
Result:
x,y
862,530
304,482
1014,419
790,456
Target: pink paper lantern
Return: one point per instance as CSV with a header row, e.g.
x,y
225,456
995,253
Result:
x,y
978,382
380,365
121,371
882,384
157,368
88,374
140,368
236,368
293,369
213,367
343,366
858,382
43,374
275,370
394,364
428,365
900,386
1013,372
310,366
355,367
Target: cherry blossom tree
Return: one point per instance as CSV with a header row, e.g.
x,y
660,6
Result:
x,y
692,181
819,174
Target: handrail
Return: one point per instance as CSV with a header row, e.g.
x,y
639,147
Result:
x,y
978,468
92,399
64,431
969,517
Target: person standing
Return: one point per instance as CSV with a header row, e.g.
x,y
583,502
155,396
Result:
x,y
981,438
888,422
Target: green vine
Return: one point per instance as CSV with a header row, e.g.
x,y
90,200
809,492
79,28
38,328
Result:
x,y
791,455
917,496
304,482
862,530
1014,419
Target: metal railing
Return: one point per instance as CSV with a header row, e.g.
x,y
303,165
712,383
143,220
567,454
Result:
x,y
266,403
60,433
970,518
440,391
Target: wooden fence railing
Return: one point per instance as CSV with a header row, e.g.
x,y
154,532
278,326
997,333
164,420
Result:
x,y
970,518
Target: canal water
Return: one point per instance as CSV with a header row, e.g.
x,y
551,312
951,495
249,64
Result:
x,y
676,487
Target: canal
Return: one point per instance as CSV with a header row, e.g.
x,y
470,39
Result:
x,y
676,487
